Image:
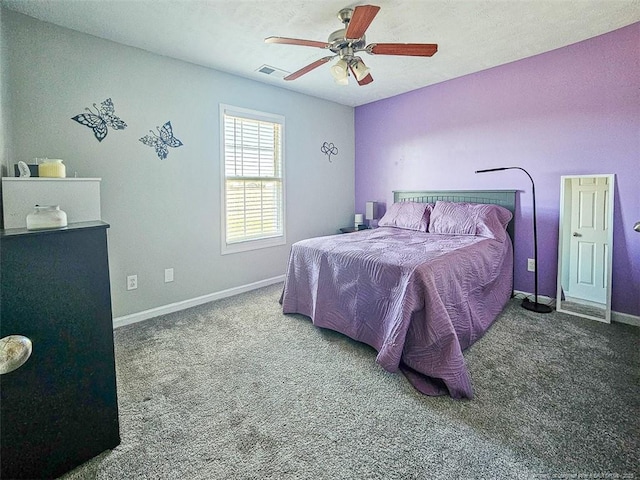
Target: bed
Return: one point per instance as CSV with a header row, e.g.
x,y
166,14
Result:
x,y
422,287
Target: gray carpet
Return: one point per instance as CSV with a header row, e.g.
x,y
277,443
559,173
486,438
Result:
x,y
234,389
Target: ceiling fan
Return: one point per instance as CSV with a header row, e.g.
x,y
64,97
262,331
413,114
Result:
x,y
350,40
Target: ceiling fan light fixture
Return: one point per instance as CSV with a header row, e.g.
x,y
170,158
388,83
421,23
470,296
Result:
x,y
349,41
339,71
360,70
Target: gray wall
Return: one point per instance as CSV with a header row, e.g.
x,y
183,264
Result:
x,y
167,213
4,110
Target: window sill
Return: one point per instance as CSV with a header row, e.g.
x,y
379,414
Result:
x,y
252,245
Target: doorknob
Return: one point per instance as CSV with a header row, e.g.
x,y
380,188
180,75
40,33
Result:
x,y
576,234
15,350
636,227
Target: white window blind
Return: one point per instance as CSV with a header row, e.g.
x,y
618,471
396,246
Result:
x,y
253,176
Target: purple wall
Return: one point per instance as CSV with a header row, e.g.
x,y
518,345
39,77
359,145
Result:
x,y
572,111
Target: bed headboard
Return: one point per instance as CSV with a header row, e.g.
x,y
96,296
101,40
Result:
x,y
504,198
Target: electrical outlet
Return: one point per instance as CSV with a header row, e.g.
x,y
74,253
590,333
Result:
x,y
132,282
531,265
168,275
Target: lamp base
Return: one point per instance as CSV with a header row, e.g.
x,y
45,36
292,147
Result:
x,y
535,306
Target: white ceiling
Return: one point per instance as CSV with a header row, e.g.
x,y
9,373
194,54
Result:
x,y
228,35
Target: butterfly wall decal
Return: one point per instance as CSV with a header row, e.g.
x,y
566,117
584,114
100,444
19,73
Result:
x,y
163,141
103,117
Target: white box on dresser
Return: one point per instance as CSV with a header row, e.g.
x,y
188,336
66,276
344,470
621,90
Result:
x,y
78,197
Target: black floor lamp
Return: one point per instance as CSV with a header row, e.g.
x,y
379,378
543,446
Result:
x,y
526,303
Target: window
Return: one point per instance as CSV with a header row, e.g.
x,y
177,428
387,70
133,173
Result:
x,y
253,180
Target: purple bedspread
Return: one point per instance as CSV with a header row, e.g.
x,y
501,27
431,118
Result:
x,y
419,299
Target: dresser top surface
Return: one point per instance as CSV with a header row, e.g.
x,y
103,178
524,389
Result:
x,y
17,232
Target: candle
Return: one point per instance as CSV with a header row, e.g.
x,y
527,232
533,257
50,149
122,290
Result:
x,y
358,220
52,168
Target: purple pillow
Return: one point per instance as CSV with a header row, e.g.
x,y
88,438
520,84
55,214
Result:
x,y
484,220
407,215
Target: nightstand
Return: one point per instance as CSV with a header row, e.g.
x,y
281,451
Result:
x,y
353,229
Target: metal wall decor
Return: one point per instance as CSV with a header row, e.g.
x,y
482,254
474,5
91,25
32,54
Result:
x,y
163,141
329,149
104,116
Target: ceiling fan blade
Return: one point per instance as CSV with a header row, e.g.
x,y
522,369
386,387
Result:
x,y
365,81
308,68
362,17
296,41
409,49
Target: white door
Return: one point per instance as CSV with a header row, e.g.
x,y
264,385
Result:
x,y
590,205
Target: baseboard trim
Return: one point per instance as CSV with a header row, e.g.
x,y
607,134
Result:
x,y
625,318
184,304
617,317
541,298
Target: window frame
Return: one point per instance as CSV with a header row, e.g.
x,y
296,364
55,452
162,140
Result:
x,y
257,243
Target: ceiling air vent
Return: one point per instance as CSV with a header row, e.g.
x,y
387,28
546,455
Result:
x,y
272,71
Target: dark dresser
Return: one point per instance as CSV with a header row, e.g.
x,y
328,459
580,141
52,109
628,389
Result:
x,y
60,408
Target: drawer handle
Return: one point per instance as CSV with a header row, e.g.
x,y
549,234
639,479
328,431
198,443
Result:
x,y
15,350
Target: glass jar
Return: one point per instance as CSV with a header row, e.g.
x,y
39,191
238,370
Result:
x,y
46,216
52,168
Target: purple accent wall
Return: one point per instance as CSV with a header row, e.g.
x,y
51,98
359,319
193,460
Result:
x,y
571,111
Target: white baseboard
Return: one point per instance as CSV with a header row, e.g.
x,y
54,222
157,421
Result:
x,y
541,298
177,306
625,318
615,316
